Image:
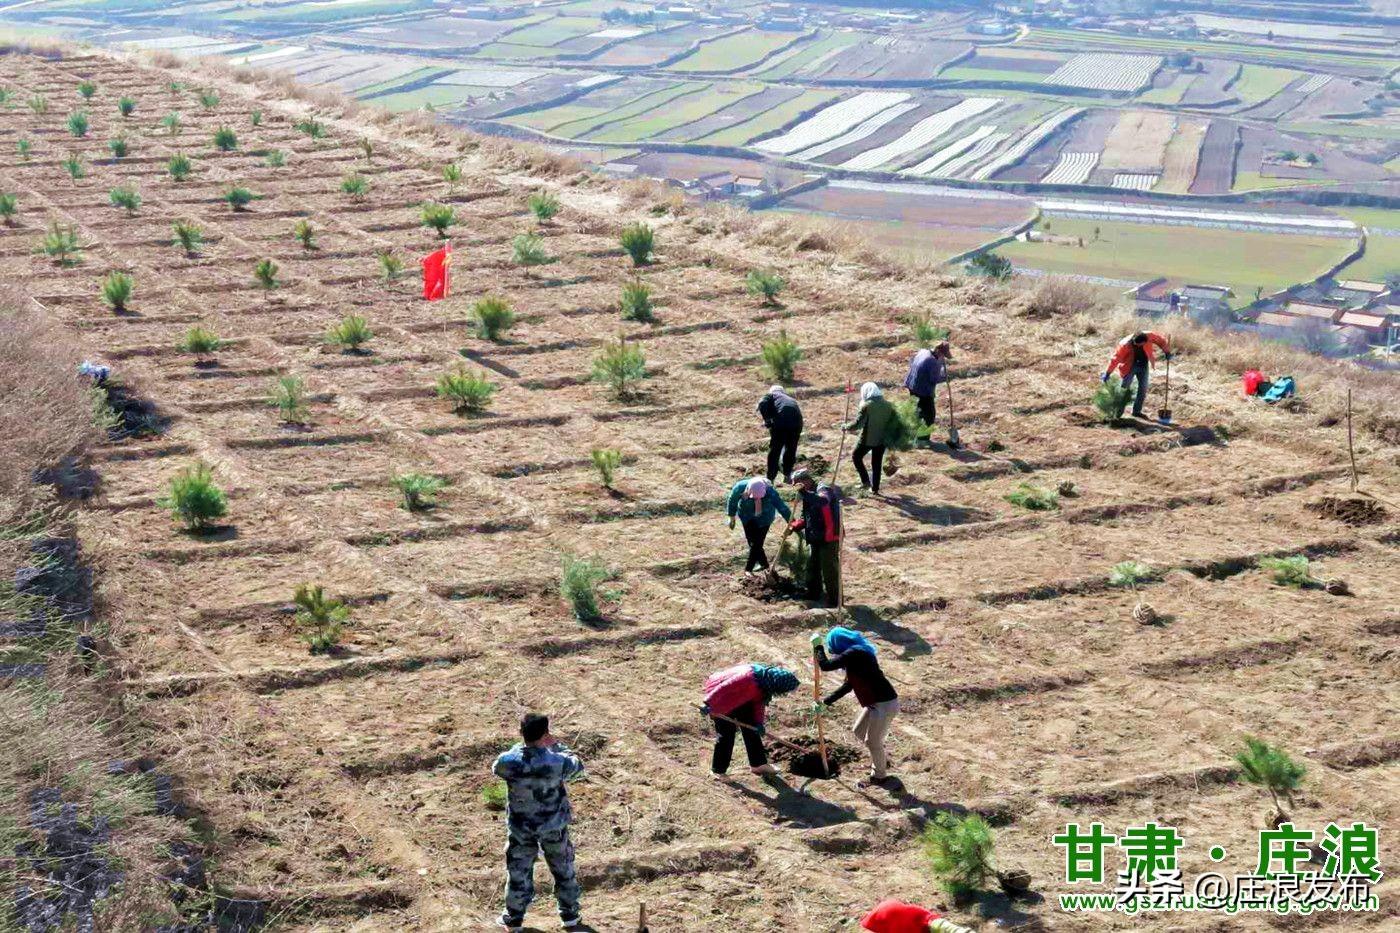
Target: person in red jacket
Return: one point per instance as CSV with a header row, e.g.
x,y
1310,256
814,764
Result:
x,y
893,916
1135,356
736,700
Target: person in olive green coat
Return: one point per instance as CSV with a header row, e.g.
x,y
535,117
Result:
x,y
874,424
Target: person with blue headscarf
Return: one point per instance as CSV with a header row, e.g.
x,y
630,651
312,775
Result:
x,y
879,703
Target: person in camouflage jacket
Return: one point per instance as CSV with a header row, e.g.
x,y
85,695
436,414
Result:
x,y
538,816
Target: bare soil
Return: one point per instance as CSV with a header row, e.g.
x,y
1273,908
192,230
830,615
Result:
x,y
344,789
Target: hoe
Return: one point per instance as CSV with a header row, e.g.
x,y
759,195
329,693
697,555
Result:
x,y
814,766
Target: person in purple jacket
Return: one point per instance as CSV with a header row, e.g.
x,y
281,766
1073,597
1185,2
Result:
x,y
926,371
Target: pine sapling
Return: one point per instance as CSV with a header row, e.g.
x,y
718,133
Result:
x,y
126,198
544,205
60,243
959,852
25,148
390,266
418,490
578,584
1111,398
116,290
764,284
1274,770
200,342
924,332
189,235
194,499
39,104
305,234
321,619
208,99
781,356
366,148
605,461
171,121
74,166
492,317
179,166
78,123
255,118
265,271
239,198
619,365
636,302
86,89
1130,573
468,392
351,333
312,127
452,174
355,185
9,207
639,242
225,139
289,398
275,158
527,250
438,217
1034,498
118,147
126,106
1294,572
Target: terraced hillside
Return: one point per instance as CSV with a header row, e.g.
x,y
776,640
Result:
x,y
344,788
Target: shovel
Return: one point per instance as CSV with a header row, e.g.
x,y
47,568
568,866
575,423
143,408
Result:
x,y
954,441
1164,414
773,567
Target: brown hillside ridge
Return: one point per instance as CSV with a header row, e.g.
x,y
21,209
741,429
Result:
x,y
345,787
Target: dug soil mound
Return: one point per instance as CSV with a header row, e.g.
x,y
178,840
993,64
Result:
x,y
1355,511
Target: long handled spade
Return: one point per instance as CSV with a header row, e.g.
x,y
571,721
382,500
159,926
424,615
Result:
x,y
954,441
817,699
1164,414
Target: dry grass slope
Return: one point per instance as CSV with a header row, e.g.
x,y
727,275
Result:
x,y
342,788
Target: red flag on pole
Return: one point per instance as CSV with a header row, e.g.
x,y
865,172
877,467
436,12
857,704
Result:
x,y
437,275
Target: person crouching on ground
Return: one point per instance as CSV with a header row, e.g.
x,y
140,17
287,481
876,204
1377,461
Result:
x,y
872,427
782,416
756,503
926,371
742,693
895,916
1132,360
821,529
879,703
537,818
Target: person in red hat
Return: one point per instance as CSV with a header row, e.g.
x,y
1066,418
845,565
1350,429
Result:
x,y
894,916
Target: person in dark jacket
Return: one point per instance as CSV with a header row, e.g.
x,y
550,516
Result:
x,y
821,529
879,703
783,418
875,422
926,371
756,504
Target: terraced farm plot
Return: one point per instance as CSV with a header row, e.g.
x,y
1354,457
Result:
x,y
922,133
1258,83
887,58
735,52
1183,155
1133,252
676,115
808,56
833,121
785,109
344,789
1106,72
1011,64
1138,142
655,48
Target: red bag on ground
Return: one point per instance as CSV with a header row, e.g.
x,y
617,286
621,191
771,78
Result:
x,y
1252,378
892,916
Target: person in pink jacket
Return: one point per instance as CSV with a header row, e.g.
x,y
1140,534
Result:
x,y
741,694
